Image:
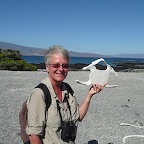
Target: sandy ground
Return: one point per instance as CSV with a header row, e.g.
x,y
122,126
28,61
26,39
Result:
x,y
123,104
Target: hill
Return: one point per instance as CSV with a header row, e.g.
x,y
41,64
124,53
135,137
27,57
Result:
x,y
26,50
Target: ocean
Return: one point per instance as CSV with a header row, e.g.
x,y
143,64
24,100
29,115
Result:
x,y
85,60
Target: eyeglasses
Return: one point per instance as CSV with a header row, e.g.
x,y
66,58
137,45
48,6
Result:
x,y
57,65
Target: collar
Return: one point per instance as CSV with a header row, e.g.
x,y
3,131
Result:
x,y
47,82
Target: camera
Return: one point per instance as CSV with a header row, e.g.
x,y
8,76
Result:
x,y
69,131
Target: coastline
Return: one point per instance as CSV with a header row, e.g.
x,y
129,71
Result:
x,y
108,109
77,63
121,67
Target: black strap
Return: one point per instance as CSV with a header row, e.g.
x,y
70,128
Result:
x,y
69,89
46,94
58,107
69,107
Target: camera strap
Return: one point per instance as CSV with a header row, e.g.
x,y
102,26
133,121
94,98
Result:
x,y
58,107
69,108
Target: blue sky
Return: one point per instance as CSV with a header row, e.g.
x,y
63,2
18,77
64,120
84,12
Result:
x,y
95,26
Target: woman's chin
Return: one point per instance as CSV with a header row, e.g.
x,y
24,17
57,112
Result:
x,y
60,79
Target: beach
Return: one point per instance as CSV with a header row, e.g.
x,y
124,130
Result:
x,y
108,109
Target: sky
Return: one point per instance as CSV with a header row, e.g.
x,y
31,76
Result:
x,y
96,26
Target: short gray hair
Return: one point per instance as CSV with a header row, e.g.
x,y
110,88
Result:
x,y
54,50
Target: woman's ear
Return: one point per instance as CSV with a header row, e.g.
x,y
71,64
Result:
x,y
47,68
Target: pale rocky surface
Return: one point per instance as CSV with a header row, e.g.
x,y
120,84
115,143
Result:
x,y
107,110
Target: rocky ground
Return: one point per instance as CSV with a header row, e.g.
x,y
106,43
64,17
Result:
x,y
108,109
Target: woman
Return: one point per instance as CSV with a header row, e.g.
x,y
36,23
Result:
x,y
57,64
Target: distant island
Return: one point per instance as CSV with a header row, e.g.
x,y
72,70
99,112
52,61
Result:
x,y
26,50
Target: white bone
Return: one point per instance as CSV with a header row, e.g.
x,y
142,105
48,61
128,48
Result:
x,y
126,124
98,76
130,136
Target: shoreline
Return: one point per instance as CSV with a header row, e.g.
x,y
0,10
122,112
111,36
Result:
x,y
120,67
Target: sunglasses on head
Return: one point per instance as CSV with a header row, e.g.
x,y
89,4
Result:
x,y
57,65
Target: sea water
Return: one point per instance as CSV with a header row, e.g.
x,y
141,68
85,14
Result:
x,y
84,60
